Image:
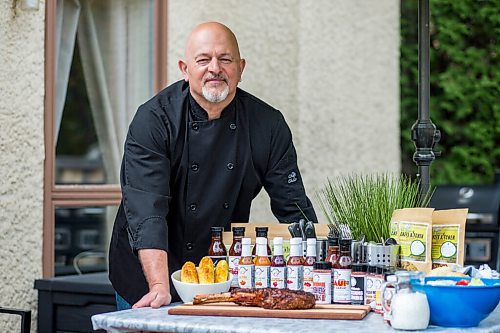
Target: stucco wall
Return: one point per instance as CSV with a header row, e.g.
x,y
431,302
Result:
x,y
331,67
21,162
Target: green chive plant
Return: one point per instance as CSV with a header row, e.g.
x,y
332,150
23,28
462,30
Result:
x,y
366,202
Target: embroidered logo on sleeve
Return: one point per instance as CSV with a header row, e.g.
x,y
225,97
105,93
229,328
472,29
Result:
x,y
292,177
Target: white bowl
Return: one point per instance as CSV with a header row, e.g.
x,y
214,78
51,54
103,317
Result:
x,y
187,291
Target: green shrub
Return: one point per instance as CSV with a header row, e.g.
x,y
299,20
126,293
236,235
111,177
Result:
x,y
464,102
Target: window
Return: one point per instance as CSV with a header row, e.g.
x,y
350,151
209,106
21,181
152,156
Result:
x,y
103,58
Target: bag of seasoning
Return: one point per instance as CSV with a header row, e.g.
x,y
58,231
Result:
x,y
448,237
414,235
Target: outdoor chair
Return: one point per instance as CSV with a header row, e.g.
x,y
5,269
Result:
x,y
25,318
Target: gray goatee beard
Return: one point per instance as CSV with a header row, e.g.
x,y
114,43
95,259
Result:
x,y
215,97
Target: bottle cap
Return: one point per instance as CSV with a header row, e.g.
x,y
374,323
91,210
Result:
x,y
216,230
311,241
238,231
333,241
261,231
322,265
261,240
246,241
296,241
345,242
278,240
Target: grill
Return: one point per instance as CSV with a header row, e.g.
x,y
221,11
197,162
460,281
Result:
x,y
482,228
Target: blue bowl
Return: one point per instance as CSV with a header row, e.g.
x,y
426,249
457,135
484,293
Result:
x,y
460,306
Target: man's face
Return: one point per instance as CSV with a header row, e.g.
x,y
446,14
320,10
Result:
x,y
212,66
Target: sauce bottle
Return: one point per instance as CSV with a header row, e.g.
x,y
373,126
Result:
x,y
261,232
278,265
309,265
235,254
342,274
262,264
217,250
246,266
332,256
295,265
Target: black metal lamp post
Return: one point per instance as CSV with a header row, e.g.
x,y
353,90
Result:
x,y
424,132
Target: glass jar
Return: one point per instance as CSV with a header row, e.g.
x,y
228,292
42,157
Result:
x,y
409,309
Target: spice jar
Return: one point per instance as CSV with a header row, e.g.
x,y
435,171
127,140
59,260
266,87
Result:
x,y
358,276
322,282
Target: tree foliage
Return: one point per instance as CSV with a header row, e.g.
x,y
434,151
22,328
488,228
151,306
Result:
x,y
464,87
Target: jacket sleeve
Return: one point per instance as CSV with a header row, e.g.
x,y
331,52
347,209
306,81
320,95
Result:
x,y
283,181
145,180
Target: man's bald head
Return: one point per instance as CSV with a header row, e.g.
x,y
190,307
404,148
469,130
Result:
x,y
211,30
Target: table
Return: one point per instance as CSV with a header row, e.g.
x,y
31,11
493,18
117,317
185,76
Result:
x,y
158,320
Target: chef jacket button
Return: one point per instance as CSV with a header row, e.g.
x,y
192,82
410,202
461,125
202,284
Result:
x,y
192,207
195,127
232,126
189,246
194,167
230,166
225,205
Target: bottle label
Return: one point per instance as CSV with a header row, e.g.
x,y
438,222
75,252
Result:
x,y
246,276
294,277
216,259
342,285
322,287
308,279
233,269
278,277
262,277
357,289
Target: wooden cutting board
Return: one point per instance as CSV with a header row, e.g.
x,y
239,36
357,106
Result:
x,y
320,311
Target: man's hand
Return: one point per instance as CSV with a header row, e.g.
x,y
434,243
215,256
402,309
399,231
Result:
x,y
158,295
155,267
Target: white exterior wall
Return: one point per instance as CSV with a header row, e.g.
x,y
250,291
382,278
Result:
x,y
331,67
22,156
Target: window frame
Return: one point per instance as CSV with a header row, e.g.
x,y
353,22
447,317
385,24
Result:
x,y
82,195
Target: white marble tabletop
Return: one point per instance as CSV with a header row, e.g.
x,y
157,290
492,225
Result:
x,y
158,320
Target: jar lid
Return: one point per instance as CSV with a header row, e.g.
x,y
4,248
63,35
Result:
x,y
372,269
322,265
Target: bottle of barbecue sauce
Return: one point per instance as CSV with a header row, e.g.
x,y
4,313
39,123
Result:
x,y
246,266
295,265
278,265
342,274
262,264
235,254
217,250
309,264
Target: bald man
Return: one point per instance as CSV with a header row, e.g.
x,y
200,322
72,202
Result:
x,y
196,155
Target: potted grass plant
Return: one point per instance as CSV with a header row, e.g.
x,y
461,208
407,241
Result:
x,y
366,202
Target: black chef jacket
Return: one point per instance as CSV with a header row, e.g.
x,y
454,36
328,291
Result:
x,y
182,174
